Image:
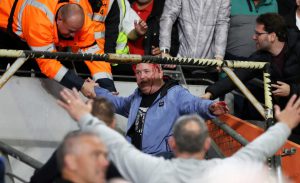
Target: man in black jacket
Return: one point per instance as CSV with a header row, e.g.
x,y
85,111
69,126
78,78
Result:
x,y
277,45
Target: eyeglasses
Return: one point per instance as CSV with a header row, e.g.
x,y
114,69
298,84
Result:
x,y
259,33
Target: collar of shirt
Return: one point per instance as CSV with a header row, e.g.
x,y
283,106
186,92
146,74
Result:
x,y
143,13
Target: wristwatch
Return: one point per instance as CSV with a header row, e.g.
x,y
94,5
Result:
x,y
165,51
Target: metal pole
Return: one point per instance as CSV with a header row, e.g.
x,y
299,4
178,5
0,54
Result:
x,y
275,160
268,96
20,156
230,132
120,58
8,168
130,58
245,91
11,71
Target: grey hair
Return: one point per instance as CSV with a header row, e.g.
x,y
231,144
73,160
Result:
x,y
70,144
190,140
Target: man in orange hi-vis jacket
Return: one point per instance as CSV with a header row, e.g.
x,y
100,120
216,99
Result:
x,y
46,25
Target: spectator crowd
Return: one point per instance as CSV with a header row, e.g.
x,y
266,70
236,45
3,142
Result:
x,y
166,138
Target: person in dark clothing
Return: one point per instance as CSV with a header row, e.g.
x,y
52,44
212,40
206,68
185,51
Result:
x,y
279,46
151,11
112,22
285,6
239,44
292,18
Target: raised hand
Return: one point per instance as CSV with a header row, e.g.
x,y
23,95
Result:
x,y
73,104
290,115
140,27
88,88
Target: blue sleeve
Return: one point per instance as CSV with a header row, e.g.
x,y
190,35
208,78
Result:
x,y
2,170
189,104
121,104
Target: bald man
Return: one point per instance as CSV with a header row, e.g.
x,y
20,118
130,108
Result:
x,y
47,25
70,19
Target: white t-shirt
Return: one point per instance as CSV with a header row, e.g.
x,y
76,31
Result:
x,y
297,21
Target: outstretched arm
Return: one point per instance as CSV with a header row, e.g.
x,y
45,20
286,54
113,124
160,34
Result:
x,y
132,164
207,109
267,144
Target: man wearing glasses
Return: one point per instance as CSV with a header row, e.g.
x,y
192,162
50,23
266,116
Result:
x,y
279,46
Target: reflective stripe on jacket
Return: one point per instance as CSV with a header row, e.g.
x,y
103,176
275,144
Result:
x,y
34,22
122,47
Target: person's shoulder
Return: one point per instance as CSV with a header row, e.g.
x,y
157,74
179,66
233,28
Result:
x,y
260,55
293,38
293,32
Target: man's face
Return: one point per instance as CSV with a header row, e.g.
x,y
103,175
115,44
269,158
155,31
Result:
x,y
261,38
67,29
91,160
298,3
147,77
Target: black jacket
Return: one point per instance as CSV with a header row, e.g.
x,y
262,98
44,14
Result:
x,y
290,19
112,22
287,9
290,73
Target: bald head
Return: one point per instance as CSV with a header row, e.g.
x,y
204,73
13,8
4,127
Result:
x,y
70,20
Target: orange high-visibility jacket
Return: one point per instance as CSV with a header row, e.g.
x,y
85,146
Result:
x,y
34,22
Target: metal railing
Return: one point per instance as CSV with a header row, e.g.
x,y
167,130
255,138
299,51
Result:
x,y
7,150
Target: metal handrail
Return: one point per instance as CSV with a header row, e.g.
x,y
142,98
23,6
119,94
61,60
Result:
x,y
230,132
13,176
6,149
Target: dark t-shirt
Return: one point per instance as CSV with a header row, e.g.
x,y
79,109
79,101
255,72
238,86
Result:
x,y
136,130
278,61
